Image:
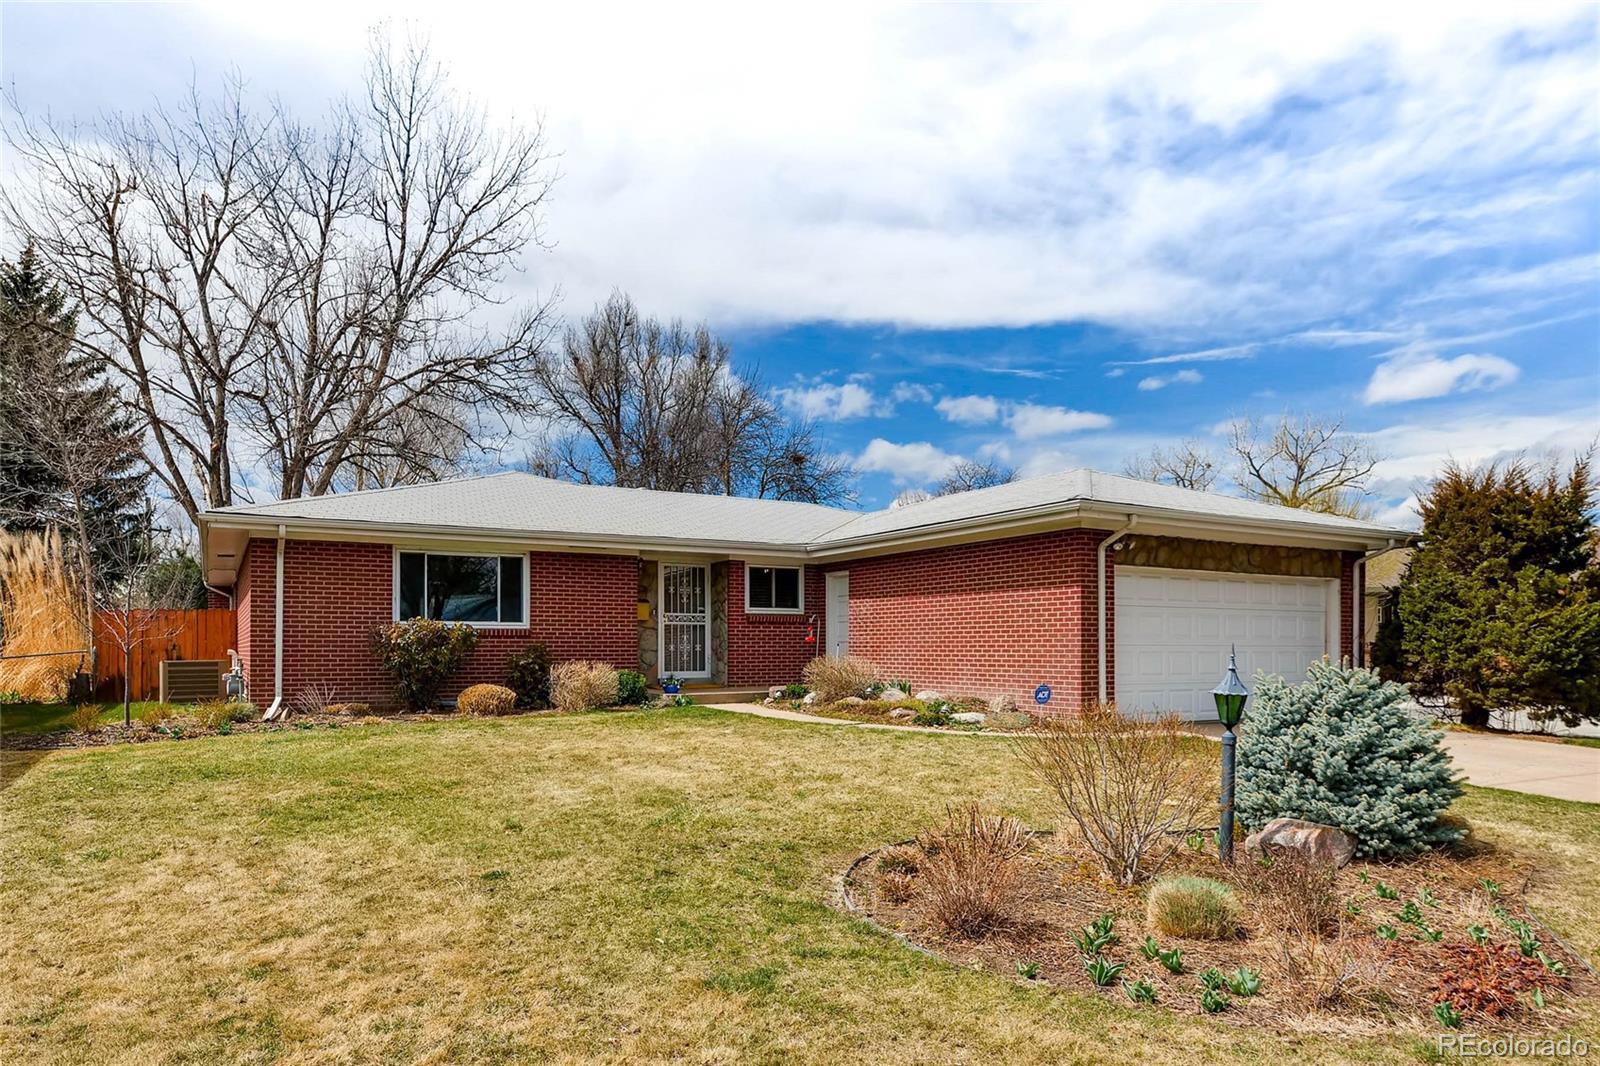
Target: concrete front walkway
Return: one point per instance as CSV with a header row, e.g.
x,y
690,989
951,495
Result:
x,y
1538,767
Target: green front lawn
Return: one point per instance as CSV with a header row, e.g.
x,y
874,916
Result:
x,y
637,886
57,717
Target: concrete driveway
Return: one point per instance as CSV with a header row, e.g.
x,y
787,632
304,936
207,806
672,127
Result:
x,y
1542,767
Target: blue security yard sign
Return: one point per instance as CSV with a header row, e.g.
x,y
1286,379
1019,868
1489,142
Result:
x,y
1041,695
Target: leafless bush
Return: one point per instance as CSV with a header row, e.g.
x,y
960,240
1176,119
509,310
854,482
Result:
x,y
972,879
1293,898
833,677
1129,786
897,886
581,685
486,700
314,698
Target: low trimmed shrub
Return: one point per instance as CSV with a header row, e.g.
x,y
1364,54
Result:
x,y
833,677
486,700
528,675
212,714
1194,907
932,714
794,690
581,685
972,878
1342,750
85,718
631,688
419,655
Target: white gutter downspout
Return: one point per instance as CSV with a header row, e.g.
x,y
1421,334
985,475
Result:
x,y
1100,612
276,709
1358,612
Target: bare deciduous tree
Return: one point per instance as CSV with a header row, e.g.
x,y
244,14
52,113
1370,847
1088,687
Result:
x,y
135,608
638,402
1187,466
969,474
313,285
1303,461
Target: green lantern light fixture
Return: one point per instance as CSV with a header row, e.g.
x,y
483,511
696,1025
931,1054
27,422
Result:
x,y
1230,696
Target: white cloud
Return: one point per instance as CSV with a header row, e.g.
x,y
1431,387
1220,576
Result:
x,y
1418,377
828,402
910,392
1009,165
1206,355
917,463
1182,377
1030,420
969,410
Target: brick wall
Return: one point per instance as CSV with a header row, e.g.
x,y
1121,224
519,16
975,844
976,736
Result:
x,y
335,594
770,649
217,600
983,619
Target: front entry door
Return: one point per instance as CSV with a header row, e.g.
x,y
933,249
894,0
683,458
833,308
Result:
x,y
837,618
685,621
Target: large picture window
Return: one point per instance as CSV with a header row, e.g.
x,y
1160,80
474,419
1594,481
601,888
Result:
x,y
486,589
773,589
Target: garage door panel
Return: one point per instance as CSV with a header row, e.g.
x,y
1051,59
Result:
x,y
1173,632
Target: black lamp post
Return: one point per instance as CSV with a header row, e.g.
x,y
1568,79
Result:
x,y
1230,696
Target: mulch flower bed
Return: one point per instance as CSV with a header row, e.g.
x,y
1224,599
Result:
x,y
1359,980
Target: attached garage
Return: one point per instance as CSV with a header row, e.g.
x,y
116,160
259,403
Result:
x,y
1174,629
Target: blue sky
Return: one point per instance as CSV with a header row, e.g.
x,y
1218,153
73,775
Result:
x,y
1051,235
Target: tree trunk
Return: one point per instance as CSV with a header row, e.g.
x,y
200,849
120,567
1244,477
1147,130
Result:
x,y
1477,717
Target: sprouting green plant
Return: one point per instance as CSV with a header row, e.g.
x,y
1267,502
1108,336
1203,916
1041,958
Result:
x,y
1491,888
1364,877
1196,842
1384,891
1500,912
1096,938
1172,960
1555,966
1103,971
1527,943
1140,991
1027,970
1244,981
1212,979
1478,933
1388,932
1447,1015
1538,998
1150,949
1411,914
1212,1001
1427,898
1429,933
1351,908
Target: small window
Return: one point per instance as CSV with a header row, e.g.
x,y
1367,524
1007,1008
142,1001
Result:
x,y
773,588
486,589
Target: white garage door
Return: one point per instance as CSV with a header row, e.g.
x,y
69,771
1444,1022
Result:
x,y
1174,627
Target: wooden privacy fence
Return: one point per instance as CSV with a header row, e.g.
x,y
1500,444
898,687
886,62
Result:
x,y
204,634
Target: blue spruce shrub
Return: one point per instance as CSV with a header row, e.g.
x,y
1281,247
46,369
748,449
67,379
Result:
x,y
1341,750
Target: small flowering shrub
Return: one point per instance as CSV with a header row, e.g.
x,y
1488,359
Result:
x,y
1342,750
419,656
486,700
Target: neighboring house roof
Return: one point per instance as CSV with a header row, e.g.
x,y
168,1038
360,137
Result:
x,y
518,506
1386,568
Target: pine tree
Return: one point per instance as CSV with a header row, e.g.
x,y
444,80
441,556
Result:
x,y
1342,750
1500,607
68,444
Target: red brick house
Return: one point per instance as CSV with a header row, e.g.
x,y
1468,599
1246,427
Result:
x,y
1097,586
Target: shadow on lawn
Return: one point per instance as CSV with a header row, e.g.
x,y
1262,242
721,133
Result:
x,y
14,766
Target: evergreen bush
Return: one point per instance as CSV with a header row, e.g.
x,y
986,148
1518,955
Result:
x,y
1342,750
528,675
420,655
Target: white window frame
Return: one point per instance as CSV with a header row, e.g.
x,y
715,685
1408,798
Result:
x,y
527,590
800,581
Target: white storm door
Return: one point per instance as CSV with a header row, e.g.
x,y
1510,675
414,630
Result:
x,y
685,620
837,619
1174,629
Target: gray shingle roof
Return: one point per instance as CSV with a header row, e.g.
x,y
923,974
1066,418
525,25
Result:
x,y
523,503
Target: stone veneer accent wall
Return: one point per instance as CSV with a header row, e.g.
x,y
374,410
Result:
x,y
1178,553
649,635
